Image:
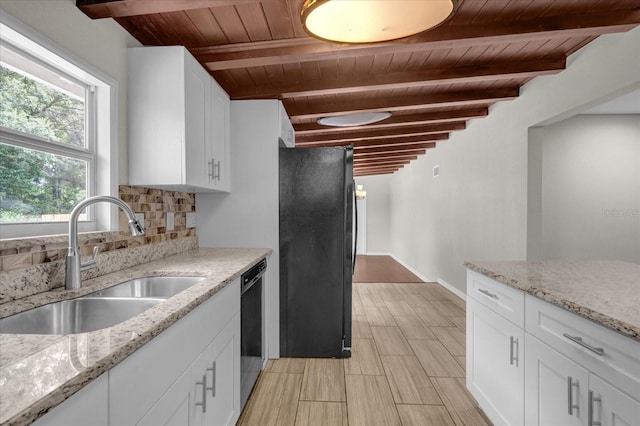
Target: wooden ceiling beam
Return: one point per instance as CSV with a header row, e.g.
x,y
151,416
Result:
x,y
400,141
377,169
322,108
380,167
392,148
97,9
386,161
385,154
402,80
277,52
399,120
367,134
374,173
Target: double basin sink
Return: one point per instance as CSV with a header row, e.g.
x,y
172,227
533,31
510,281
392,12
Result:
x,y
103,308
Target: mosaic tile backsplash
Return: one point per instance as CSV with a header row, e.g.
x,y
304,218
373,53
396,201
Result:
x,y
36,264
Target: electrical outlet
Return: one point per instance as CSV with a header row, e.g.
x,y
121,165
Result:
x,y
169,221
140,217
191,220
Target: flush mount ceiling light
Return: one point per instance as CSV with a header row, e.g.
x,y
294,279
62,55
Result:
x,y
357,119
370,21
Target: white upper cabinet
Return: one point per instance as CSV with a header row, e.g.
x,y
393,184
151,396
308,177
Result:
x,y
287,133
178,122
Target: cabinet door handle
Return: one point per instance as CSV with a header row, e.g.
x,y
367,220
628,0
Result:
x,y
216,166
513,354
488,293
578,340
570,404
213,375
210,169
592,399
204,393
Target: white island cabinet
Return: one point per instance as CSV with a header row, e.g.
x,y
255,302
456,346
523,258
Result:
x,y
531,362
577,372
179,124
495,336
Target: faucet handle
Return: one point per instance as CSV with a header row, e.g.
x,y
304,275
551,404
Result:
x,y
91,263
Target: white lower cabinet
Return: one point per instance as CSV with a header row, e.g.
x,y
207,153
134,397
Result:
x,y
205,393
495,372
530,362
556,387
607,405
561,392
86,407
187,375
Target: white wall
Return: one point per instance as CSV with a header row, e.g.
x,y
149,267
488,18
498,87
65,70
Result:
x,y
477,208
587,195
378,212
249,215
102,43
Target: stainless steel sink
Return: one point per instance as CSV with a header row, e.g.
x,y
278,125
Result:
x,y
76,315
157,287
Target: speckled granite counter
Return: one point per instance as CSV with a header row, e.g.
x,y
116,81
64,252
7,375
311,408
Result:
x,y
607,292
39,372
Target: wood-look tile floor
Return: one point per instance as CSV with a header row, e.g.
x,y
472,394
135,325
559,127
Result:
x,y
407,368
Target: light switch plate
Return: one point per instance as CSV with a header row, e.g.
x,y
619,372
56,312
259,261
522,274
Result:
x,y
140,217
169,221
191,220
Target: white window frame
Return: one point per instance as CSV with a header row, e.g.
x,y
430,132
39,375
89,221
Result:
x,y
103,142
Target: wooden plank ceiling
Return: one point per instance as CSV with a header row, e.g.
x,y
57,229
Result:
x,y
433,83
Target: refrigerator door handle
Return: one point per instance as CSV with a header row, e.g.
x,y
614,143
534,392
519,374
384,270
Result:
x,y
355,244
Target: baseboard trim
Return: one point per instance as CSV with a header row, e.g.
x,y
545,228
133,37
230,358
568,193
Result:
x,y
440,281
413,271
452,289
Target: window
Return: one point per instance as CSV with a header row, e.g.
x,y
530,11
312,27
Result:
x,y
57,135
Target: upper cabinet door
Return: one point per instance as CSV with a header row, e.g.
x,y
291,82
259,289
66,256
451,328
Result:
x,y
220,138
175,122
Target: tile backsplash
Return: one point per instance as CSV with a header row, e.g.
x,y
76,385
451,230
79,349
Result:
x,y
35,264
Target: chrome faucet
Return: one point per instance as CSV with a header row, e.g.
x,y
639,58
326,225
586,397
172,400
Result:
x,y
74,266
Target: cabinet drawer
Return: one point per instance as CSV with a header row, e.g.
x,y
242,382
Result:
x,y
506,301
619,360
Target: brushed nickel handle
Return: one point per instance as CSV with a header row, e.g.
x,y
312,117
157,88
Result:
x,y
513,354
210,168
216,166
91,263
203,383
213,375
488,293
578,340
570,405
592,399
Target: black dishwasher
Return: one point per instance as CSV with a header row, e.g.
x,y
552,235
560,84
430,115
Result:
x,y
251,334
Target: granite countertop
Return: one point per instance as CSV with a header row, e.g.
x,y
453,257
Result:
x,y
39,372
607,292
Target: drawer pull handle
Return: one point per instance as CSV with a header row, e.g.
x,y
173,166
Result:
x,y
513,354
204,393
578,340
590,420
570,385
213,375
488,293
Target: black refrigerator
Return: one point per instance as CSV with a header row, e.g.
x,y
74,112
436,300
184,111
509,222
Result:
x,y
317,251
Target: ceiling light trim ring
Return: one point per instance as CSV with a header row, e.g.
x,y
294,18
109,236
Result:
x,y
373,21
